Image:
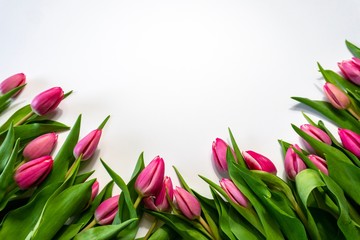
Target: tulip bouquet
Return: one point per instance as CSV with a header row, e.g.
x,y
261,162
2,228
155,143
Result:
x,y
317,199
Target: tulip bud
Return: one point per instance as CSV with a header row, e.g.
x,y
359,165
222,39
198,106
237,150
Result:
x,y
316,133
32,173
86,146
106,211
150,179
47,101
12,82
94,190
187,203
219,149
233,192
351,69
293,163
319,162
350,141
256,161
160,202
40,146
336,97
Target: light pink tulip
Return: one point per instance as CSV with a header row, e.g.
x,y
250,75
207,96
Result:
x,y
350,141
256,161
47,101
187,203
219,149
12,82
94,190
150,179
293,163
86,146
319,162
316,133
233,192
40,146
336,97
106,211
160,201
351,69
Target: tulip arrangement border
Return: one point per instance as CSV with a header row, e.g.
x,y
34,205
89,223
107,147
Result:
x,y
46,197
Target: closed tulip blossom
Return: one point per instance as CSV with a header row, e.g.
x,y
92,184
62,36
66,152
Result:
x,y
160,202
150,179
94,190
32,173
187,203
106,211
319,162
219,150
86,146
293,163
351,69
40,146
316,133
336,97
256,161
350,141
233,192
12,82
47,101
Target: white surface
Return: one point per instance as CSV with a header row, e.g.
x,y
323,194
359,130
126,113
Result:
x,y
174,75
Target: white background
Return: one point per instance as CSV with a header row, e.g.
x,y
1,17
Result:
x,y
174,75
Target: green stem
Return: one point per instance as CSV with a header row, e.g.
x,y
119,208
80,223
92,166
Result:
x,y
206,226
26,117
138,200
75,163
151,229
90,225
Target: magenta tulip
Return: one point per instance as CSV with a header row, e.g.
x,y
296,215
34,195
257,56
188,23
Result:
x,y
336,97
256,161
86,146
233,192
293,163
94,190
47,101
160,202
40,146
351,69
32,173
12,82
350,140
187,203
106,211
150,179
219,149
316,133
320,163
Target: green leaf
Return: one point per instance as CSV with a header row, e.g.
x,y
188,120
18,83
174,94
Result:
x,y
164,233
5,99
60,208
6,148
83,177
341,118
104,232
353,49
237,151
16,117
68,231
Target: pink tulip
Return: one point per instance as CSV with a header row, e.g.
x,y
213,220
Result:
x,y
40,146
233,192
350,140
106,211
336,97
160,202
150,179
293,163
351,69
12,82
187,203
47,101
86,146
32,173
94,190
256,161
319,162
316,133
219,149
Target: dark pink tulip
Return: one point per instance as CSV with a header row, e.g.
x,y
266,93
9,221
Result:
x,y
47,101
319,162
106,211
150,179
336,97
86,146
316,133
94,190
219,149
32,173
351,69
256,161
160,201
187,203
233,192
293,163
12,82
350,140
40,146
